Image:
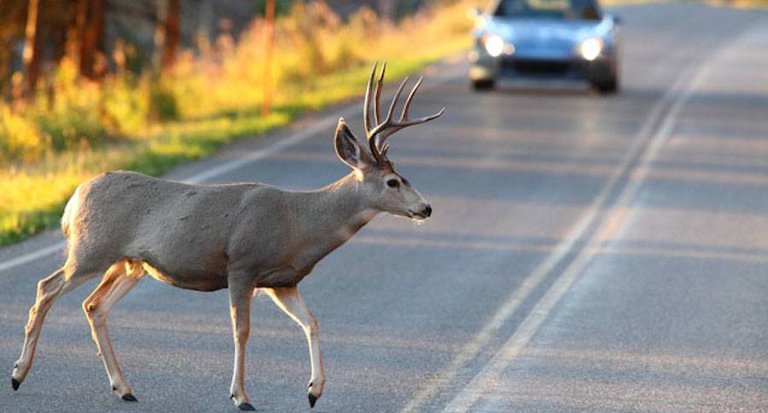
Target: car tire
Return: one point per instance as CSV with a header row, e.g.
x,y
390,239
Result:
x,y
607,87
483,85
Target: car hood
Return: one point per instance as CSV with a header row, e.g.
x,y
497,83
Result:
x,y
545,38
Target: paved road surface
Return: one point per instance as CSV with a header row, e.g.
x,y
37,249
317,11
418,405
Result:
x,y
586,254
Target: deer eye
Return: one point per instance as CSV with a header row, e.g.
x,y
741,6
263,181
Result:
x,y
393,183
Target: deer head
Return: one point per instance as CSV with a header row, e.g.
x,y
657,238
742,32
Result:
x,y
388,190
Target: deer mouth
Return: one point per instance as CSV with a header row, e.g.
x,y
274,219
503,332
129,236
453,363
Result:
x,y
417,216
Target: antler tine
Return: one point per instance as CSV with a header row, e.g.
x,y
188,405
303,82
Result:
x,y
394,127
424,119
370,131
379,84
407,105
394,100
367,101
404,121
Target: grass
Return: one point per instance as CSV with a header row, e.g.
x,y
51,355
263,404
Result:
x,y
143,123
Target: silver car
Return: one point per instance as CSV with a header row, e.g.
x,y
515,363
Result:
x,y
546,39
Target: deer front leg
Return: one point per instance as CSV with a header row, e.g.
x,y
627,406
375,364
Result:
x,y
114,286
292,303
240,297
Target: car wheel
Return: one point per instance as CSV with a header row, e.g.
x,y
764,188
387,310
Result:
x,y
483,85
607,87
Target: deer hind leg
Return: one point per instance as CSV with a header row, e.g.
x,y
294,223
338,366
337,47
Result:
x,y
48,290
117,282
292,303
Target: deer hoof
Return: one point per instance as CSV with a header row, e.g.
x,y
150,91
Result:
x,y
245,406
130,398
312,400
15,384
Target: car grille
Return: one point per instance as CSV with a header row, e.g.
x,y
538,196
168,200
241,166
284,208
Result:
x,y
533,66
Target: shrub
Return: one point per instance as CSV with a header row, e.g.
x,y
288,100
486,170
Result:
x,y
70,116
20,138
125,106
162,104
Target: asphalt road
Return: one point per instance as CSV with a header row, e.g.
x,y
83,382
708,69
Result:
x,y
585,254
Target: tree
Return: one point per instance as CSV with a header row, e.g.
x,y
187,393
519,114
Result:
x,y
171,35
31,54
12,24
87,37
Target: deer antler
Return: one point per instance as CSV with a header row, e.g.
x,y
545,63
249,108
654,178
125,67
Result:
x,y
379,132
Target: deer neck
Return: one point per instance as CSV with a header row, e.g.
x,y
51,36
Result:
x,y
324,219
343,208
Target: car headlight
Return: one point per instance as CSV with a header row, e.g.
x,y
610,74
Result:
x,y
494,45
591,48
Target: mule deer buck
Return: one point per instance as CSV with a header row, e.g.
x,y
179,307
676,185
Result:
x,y
245,237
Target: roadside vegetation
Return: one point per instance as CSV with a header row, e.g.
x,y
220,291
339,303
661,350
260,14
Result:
x,y
69,127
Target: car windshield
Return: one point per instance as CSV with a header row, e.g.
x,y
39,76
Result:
x,y
553,9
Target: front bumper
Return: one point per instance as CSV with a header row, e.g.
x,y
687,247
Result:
x,y
484,67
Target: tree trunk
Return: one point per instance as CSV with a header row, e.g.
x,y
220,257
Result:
x,y
89,22
171,35
31,54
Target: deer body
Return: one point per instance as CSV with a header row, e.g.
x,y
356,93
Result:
x,y
189,236
244,237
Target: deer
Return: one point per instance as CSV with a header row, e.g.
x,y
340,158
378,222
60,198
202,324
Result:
x,y
245,237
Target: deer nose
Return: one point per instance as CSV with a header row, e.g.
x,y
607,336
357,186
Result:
x,y
427,211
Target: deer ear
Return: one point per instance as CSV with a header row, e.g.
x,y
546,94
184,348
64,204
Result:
x,y
349,149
